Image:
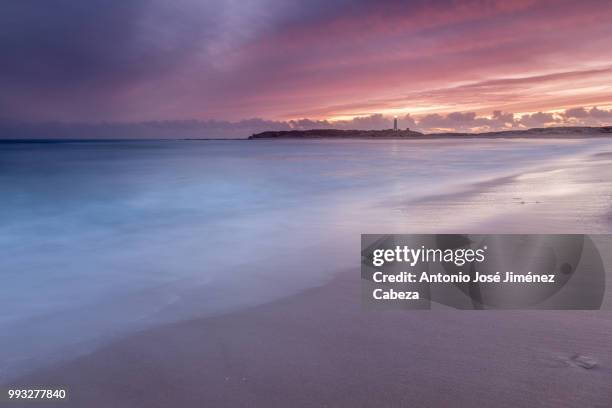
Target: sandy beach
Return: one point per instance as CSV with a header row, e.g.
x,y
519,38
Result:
x,y
319,348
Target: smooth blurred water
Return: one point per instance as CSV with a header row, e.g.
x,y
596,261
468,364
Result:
x,y
98,239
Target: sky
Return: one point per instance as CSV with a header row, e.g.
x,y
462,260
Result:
x,y
228,68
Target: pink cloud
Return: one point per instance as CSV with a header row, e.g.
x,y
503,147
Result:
x,y
321,60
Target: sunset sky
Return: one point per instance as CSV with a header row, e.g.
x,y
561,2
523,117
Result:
x,y
243,66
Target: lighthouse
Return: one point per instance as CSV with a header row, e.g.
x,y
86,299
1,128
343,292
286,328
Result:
x,y
395,123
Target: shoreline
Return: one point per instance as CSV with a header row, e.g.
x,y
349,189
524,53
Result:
x,y
548,133
568,196
318,347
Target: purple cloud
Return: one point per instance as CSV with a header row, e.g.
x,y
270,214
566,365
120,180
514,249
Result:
x,y
453,122
153,60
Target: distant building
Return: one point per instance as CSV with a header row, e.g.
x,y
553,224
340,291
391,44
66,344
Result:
x,y
395,123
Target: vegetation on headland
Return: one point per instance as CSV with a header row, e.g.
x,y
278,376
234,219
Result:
x,y
548,132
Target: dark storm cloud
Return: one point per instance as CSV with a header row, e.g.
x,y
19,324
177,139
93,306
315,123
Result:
x,y
75,53
67,42
105,42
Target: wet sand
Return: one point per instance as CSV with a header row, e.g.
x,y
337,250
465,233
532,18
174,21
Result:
x,y
321,349
571,196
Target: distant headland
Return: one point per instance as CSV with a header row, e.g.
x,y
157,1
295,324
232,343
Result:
x,y
535,133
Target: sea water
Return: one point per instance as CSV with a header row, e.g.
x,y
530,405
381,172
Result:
x,y
100,239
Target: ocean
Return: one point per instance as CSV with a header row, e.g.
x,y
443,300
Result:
x,y
101,239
